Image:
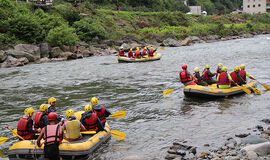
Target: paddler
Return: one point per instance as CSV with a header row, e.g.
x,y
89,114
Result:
x,y
185,76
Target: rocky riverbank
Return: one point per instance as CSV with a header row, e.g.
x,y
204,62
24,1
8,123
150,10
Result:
x,y
23,54
252,145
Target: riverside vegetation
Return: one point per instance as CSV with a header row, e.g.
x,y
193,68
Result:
x,y
64,26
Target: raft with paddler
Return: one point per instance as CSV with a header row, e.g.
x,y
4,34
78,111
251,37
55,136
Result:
x,y
145,55
217,85
75,137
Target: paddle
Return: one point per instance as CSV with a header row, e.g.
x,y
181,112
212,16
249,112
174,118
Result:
x,y
244,89
257,91
89,132
264,85
118,114
3,139
15,133
117,134
168,91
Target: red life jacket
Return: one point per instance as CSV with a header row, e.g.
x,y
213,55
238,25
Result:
x,y
243,74
91,122
144,53
151,53
23,130
184,76
130,54
37,117
121,53
205,76
223,79
101,114
234,78
137,54
52,134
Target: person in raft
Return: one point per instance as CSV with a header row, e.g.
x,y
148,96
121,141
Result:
x,y
130,53
101,111
207,75
219,67
25,125
236,77
185,77
138,53
151,52
52,135
199,78
144,52
90,120
245,74
72,126
51,105
41,118
121,52
224,79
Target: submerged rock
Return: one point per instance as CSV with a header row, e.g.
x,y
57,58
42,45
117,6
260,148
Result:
x,y
253,139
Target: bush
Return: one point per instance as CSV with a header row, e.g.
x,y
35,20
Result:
x,y
69,13
6,39
87,30
25,27
62,35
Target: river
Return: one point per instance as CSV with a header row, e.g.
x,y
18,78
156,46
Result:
x,y
153,121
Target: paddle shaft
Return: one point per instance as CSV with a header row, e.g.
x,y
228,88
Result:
x,y
15,133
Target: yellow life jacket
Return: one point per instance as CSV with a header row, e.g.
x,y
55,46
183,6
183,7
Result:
x,y
72,129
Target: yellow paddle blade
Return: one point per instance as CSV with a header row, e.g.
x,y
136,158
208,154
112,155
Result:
x,y
89,132
245,90
168,91
162,48
118,114
265,86
79,115
14,132
257,91
118,134
3,139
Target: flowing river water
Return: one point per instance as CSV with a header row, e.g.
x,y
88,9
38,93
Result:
x,y
153,121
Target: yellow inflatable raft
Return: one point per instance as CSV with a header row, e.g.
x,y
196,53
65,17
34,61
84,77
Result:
x,y
80,149
212,91
156,57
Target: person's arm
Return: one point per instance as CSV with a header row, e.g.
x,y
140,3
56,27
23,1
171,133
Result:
x,y
61,132
230,78
40,137
99,125
82,127
250,76
210,74
193,77
107,113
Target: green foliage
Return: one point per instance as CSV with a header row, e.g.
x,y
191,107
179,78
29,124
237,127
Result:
x,y
6,39
62,35
25,27
69,13
87,30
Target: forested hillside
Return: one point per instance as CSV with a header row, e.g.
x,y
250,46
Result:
x,y
211,6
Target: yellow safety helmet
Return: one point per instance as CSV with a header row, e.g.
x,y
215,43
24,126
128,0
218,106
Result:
x,y
151,48
145,48
94,101
69,113
196,69
29,111
220,65
87,108
43,108
236,69
137,48
242,66
224,69
207,66
130,49
51,100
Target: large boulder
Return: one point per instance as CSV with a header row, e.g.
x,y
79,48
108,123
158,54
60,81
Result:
x,y
84,44
55,53
194,39
253,139
29,48
45,50
20,54
169,42
68,55
87,53
3,56
125,46
20,62
80,49
8,61
262,149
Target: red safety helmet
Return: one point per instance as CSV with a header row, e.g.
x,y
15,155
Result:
x,y
184,66
52,116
